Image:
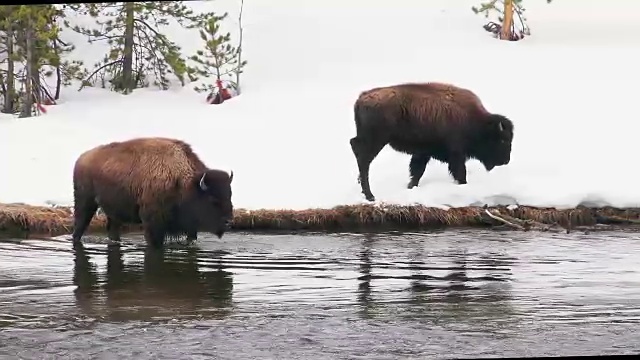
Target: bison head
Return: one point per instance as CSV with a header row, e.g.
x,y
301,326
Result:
x,y
494,147
214,208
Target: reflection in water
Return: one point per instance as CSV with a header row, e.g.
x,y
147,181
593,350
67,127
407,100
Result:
x,y
451,294
364,286
462,298
165,284
438,290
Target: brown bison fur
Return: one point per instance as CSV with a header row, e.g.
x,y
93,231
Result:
x,y
428,120
158,182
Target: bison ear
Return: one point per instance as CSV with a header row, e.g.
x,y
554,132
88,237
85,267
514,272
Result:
x,y
230,176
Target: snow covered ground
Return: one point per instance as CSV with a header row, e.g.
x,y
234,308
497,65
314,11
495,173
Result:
x,y
571,90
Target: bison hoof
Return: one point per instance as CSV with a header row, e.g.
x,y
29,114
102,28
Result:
x,y
461,182
411,185
370,198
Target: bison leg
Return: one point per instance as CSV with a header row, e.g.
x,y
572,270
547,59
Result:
x,y
83,211
365,152
113,229
154,224
458,168
154,236
417,165
192,236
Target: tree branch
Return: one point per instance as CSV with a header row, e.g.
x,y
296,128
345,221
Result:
x,y
97,70
61,42
152,48
154,31
508,223
105,37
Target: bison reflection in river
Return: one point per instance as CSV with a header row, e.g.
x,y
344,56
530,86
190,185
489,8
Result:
x,y
429,120
157,182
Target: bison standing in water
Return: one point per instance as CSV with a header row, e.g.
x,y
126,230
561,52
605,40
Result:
x,y
429,120
158,182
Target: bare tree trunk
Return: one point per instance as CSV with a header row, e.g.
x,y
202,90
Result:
x,y
127,64
27,103
239,69
3,87
58,72
9,95
507,23
218,65
36,83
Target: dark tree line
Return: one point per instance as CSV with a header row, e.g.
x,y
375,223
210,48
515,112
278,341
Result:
x,y
140,52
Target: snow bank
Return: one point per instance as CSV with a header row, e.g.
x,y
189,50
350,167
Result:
x,y
570,90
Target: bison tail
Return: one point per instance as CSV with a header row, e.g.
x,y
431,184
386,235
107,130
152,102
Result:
x,y
366,117
357,117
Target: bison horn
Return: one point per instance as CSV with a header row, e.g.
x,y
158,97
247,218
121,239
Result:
x,y
203,186
500,127
231,176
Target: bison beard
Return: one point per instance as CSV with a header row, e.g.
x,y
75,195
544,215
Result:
x,y
157,182
430,120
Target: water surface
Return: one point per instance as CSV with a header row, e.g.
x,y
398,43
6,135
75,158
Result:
x,y
385,296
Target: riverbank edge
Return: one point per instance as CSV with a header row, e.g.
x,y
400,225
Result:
x,y
24,221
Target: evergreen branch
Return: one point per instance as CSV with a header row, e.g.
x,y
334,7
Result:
x,y
45,88
149,41
98,70
105,36
152,49
57,39
154,17
153,52
154,31
111,25
144,47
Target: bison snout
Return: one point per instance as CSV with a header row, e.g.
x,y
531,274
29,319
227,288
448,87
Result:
x,y
223,226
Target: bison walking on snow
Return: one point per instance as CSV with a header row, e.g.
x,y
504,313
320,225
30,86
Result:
x,y
428,120
158,182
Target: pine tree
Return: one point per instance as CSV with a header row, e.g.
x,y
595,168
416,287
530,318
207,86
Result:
x,y
219,58
28,33
138,48
506,30
65,70
35,34
7,41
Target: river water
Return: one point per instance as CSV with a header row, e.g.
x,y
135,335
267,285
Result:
x,y
384,296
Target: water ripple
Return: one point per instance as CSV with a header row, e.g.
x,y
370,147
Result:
x,y
470,293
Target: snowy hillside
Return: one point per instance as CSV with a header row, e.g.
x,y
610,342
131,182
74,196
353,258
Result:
x,y
570,89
